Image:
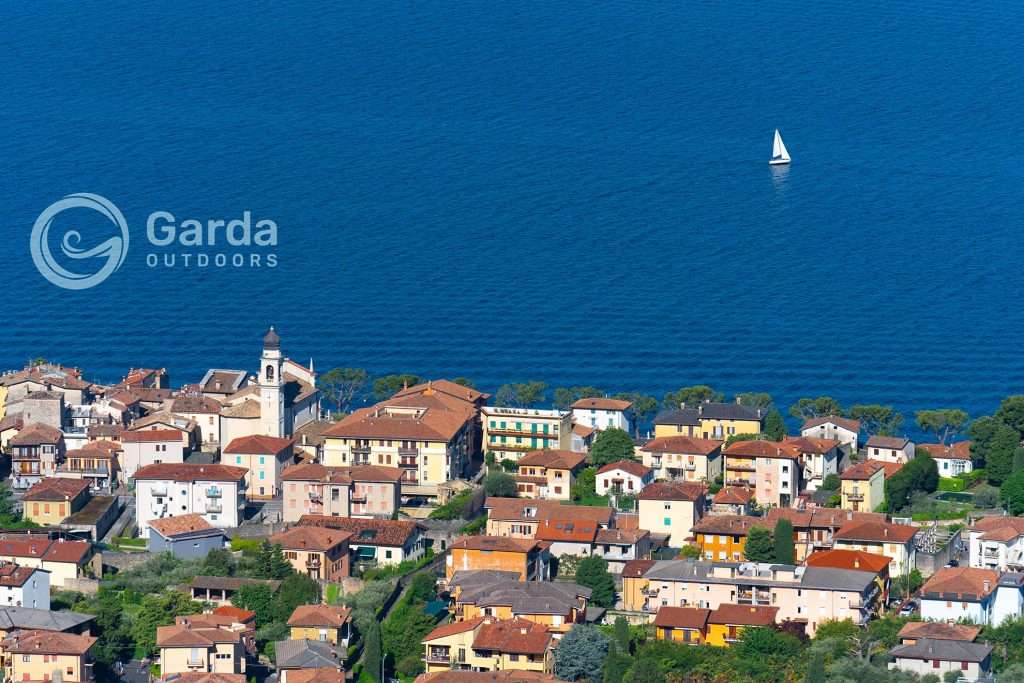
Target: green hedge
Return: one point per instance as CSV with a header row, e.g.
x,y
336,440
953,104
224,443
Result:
x,y
954,485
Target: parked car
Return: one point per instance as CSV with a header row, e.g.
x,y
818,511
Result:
x,y
908,608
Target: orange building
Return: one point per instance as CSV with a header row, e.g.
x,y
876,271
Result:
x,y
547,474
527,557
722,538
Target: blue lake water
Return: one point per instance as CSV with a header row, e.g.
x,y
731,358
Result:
x,y
576,193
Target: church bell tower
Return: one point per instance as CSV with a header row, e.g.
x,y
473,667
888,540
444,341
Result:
x,y
271,386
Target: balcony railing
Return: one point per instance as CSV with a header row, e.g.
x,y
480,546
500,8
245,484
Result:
x,y
313,562
740,468
740,482
358,497
213,493
214,506
408,452
855,496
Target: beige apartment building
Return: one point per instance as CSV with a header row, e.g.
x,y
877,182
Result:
x,y
48,656
508,433
683,457
356,491
548,474
265,458
430,433
186,649
809,595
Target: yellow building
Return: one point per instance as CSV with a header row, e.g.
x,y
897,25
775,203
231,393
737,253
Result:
x,y
508,433
709,421
671,509
726,623
682,624
321,622
526,557
214,650
430,432
48,656
862,486
548,474
521,517
50,501
683,457
487,644
317,552
722,538
555,604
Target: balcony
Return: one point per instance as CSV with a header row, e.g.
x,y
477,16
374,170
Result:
x,y
690,467
855,497
650,592
740,468
408,464
316,497
213,493
159,491
741,482
196,663
408,452
214,506
358,497
361,450
438,656
313,562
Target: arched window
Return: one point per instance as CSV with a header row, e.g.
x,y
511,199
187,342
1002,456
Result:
x,y
270,372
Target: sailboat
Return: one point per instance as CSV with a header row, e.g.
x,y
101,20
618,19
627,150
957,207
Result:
x,y
780,155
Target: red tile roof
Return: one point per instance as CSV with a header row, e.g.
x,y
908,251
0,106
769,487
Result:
x,y
190,472
38,545
182,524
552,458
56,489
759,448
866,469
151,435
573,532
875,531
258,444
733,495
206,677
377,532
319,615
628,466
310,538
729,525
857,560
495,543
516,509
13,575
672,490
743,615
183,635
937,630
241,616
682,617
961,450
317,675
311,471
808,444
445,630
964,582
516,636
684,445
634,569
36,434
844,422
601,404
47,643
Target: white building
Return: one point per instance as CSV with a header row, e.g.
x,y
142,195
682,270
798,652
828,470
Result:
x,y
625,477
960,594
952,460
602,413
214,491
997,543
818,457
890,449
843,430
24,586
150,447
935,657
511,432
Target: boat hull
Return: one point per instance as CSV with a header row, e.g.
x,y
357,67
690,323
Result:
x,y
778,162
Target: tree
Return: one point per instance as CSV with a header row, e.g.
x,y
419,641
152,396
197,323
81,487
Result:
x,y
993,444
520,395
389,385
566,396
920,474
218,562
616,664
815,669
340,386
760,547
422,588
832,482
500,484
593,573
691,396
464,382
611,445
280,568
877,419
823,406
114,640
774,425
645,670
159,610
644,407
1011,413
785,552
585,485
755,399
942,422
256,598
1012,493
296,589
622,634
371,650
581,654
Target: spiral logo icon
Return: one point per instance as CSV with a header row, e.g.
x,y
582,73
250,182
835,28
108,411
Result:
x,y
110,252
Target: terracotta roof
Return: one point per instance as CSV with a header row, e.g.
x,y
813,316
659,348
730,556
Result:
x,y
445,630
999,528
728,525
962,582
444,386
743,615
938,630
808,444
848,559
961,450
317,675
682,444
319,615
583,431
495,543
47,643
190,472
894,442
875,531
258,444
526,510
310,538
634,569
205,677
196,404
378,532
601,404
151,435
682,617
759,448
241,616
844,422
628,466
573,532
424,416
183,635
11,422
620,536
552,458
733,495
672,490
182,524
311,471
38,545
13,575
517,636
244,410
36,434
53,488
862,471
822,518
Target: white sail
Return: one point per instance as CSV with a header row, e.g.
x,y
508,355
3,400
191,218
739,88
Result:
x,y
780,155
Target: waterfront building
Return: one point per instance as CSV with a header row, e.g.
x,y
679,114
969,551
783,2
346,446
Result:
x,y
508,433
898,449
670,509
353,491
952,459
862,486
548,474
709,420
602,413
842,429
168,490
683,457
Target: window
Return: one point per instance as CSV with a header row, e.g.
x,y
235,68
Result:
x,y
262,460
668,521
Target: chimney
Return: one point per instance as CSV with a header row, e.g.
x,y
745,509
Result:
x,y
856,563
988,585
700,409
885,532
